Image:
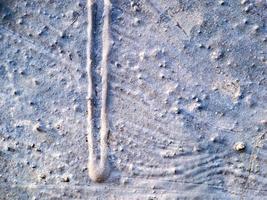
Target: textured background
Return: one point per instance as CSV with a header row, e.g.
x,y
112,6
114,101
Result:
x,y
187,82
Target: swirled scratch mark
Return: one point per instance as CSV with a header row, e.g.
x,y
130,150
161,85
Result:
x,y
99,169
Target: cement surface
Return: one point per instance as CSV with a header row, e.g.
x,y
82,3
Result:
x,y
187,99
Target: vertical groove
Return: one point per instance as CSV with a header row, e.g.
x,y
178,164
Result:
x,y
90,32
98,170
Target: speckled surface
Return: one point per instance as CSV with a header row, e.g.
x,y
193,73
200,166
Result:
x,y
187,99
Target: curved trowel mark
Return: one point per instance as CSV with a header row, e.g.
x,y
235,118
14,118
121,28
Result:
x,y
98,169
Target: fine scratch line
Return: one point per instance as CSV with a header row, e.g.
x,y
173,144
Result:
x,y
98,169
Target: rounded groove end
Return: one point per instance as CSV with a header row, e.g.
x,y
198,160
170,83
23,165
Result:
x,y
98,173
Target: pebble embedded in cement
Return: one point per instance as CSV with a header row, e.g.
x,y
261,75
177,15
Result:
x,y
42,176
239,146
39,127
65,179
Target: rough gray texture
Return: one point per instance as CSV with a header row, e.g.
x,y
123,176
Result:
x,y
187,99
